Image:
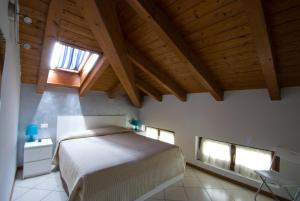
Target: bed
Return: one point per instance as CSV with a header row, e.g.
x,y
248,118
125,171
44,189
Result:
x,y
100,160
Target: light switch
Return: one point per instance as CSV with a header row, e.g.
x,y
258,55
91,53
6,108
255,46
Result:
x,y
44,125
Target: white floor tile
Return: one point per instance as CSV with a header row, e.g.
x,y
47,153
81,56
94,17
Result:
x,y
211,182
196,186
176,193
178,184
191,182
18,192
241,195
219,195
54,184
34,195
30,182
260,197
159,196
151,199
56,196
231,186
197,194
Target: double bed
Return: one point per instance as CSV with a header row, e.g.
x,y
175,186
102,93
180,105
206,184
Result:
x,y
100,160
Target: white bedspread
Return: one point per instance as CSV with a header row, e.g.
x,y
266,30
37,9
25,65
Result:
x,y
116,165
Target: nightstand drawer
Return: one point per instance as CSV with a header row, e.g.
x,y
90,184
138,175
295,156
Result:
x,y
36,154
36,168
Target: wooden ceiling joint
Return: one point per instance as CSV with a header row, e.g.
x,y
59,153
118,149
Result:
x,y
50,36
147,89
153,71
103,22
257,21
96,72
116,90
163,26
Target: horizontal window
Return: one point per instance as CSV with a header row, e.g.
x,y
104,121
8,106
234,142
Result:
x,y
241,159
166,136
152,133
249,159
160,134
215,153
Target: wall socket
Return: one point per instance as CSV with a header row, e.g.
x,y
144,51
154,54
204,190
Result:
x,y
44,125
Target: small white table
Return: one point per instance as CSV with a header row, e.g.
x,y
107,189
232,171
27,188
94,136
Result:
x,y
140,132
37,158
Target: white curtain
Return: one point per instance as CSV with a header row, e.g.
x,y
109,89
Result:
x,y
249,159
215,153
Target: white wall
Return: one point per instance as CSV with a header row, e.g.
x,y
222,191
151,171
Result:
x,y
44,108
10,92
244,117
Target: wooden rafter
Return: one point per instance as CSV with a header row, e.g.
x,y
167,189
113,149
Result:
x,y
153,71
164,28
257,21
50,36
147,89
93,76
103,22
116,90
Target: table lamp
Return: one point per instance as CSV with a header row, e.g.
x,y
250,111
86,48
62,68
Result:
x,y
31,131
135,124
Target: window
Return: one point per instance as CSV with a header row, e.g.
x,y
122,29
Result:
x,y
160,134
71,59
215,153
249,159
152,133
241,159
166,136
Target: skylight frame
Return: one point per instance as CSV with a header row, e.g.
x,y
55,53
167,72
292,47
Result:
x,y
81,65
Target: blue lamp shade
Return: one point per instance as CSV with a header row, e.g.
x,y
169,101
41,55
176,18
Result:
x,y
31,131
135,124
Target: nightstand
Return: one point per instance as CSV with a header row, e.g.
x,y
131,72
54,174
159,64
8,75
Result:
x,y
37,158
140,132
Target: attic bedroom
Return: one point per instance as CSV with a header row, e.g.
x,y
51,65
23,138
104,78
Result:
x,y
149,100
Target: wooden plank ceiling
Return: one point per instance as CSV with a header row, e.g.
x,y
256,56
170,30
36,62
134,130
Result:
x,y
219,35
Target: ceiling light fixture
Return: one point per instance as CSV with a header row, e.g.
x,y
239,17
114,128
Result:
x,y
27,20
26,46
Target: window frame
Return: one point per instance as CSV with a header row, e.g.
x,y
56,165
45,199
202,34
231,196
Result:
x,y
275,162
80,70
160,129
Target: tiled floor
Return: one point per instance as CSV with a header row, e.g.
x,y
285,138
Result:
x,y
196,186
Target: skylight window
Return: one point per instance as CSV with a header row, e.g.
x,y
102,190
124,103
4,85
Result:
x,y
71,59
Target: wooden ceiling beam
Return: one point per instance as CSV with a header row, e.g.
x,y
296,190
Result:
x,y
257,22
50,36
153,71
103,21
170,35
116,90
93,75
147,89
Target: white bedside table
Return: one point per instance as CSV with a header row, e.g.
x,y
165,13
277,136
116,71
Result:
x,y
143,133
37,158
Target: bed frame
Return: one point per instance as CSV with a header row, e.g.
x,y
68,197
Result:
x,y
66,124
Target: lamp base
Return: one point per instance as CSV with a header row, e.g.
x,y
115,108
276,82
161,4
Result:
x,y
31,138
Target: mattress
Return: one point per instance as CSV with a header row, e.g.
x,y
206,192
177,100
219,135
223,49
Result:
x,y
116,166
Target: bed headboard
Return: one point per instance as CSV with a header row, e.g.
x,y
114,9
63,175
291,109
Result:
x,y
66,124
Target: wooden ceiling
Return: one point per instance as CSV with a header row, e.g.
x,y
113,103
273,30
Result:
x,y
186,46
